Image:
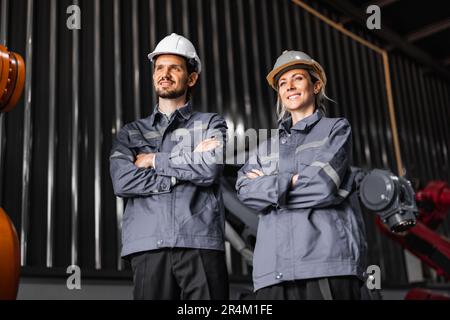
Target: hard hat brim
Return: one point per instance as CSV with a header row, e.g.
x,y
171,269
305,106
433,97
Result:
x,y
273,74
153,55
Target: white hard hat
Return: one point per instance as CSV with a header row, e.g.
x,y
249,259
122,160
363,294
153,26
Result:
x,y
179,45
292,59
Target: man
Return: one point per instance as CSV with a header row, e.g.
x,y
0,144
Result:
x,y
167,166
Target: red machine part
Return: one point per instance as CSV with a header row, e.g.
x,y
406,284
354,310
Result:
x,y
434,203
421,240
423,294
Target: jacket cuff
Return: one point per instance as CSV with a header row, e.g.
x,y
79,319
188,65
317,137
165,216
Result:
x,y
284,183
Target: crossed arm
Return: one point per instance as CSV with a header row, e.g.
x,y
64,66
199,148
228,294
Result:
x,y
147,160
144,174
314,185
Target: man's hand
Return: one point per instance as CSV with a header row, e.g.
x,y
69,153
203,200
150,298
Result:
x,y
254,173
207,145
294,179
145,160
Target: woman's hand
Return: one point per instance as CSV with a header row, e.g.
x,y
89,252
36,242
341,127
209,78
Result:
x,y
254,173
294,179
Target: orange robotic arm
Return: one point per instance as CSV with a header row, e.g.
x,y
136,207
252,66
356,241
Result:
x,y
12,79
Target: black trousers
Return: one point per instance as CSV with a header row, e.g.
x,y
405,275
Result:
x,y
180,273
342,288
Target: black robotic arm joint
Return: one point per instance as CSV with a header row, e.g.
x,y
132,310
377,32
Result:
x,y
391,197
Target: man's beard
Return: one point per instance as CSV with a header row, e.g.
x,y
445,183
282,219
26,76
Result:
x,y
170,94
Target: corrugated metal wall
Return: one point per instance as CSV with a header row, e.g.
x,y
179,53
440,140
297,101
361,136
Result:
x,y
84,85
422,102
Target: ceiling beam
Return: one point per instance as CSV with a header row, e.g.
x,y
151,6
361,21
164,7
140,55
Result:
x,y
389,36
380,3
428,30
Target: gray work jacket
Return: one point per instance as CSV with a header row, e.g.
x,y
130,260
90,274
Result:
x,y
178,203
308,230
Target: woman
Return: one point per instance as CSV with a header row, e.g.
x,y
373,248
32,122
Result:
x,y
310,243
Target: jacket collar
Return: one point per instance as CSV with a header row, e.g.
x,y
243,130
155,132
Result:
x,y
185,112
302,125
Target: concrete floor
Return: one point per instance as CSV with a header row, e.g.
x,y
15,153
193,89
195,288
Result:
x,y
32,288
56,289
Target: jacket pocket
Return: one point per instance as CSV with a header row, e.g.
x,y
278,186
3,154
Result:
x,y
141,145
269,165
305,157
204,223
202,217
321,237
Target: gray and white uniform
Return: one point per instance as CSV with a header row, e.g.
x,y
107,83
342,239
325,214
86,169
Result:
x,y
308,230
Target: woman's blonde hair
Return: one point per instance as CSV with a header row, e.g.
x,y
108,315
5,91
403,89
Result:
x,y
319,100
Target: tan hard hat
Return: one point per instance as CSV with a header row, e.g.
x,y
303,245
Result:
x,y
292,58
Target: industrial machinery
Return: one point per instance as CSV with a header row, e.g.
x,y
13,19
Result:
x,y
12,79
406,217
